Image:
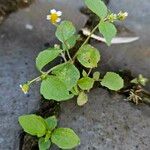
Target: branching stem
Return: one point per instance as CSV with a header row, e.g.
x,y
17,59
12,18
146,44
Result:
x,y
87,39
46,73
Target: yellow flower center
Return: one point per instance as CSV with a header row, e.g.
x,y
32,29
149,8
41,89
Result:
x,y
54,17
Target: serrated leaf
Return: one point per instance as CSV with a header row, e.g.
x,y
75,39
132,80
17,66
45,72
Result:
x,y
65,138
70,43
65,31
112,81
45,57
68,74
33,124
82,99
88,56
54,89
98,7
86,83
51,122
108,30
96,76
44,145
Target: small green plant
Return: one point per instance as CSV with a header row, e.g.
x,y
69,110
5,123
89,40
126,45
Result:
x,y
140,80
64,81
47,133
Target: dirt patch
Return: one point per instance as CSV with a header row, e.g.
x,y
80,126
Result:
x,y
8,6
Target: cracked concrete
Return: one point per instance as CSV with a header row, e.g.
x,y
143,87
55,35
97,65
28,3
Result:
x,y
106,122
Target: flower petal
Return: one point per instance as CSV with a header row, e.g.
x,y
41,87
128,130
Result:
x,y
59,13
48,17
53,11
58,20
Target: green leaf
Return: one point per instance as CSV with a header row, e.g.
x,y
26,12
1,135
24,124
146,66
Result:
x,y
112,81
84,73
65,138
68,74
108,30
96,76
44,145
53,88
86,83
75,90
33,124
88,56
45,57
51,122
82,98
70,42
65,31
98,7
135,81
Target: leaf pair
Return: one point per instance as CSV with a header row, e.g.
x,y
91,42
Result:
x,y
107,29
111,80
64,138
85,84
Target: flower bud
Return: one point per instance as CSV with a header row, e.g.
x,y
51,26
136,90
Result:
x,y
122,15
25,88
112,17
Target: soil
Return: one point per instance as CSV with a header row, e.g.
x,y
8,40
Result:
x,y
9,6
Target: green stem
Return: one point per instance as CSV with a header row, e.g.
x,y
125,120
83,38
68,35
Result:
x,y
69,55
35,79
87,39
63,56
39,77
67,50
89,71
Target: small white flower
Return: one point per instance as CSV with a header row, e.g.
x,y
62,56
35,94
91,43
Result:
x,y
24,88
54,16
122,15
125,14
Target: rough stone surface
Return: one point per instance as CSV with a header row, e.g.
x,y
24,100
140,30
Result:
x,y
106,122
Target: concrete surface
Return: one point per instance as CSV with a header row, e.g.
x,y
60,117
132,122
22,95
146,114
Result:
x,y
108,122
24,34
133,56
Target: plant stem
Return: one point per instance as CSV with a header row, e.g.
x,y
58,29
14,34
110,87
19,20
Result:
x,y
89,71
69,55
39,77
35,79
87,39
67,49
63,56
